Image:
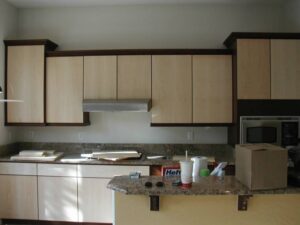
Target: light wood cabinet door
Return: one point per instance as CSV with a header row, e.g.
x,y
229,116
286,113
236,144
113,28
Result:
x,y
285,69
253,69
25,81
134,77
100,77
57,197
18,197
212,89
64,90
172,89
94,200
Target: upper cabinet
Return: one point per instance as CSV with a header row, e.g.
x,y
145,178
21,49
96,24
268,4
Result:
x,y
100,77
25,81
285,69
212,89
65,91
253,69
134,77
266,65
171,89
117,77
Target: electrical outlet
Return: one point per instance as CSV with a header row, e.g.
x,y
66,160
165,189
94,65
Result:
x,y
190,135
80,136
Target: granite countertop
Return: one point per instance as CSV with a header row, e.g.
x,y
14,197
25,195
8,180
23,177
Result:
x,y
203,186
143,161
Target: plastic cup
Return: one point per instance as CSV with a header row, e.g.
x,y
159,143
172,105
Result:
x,y
186,168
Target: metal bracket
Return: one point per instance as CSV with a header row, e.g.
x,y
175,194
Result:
x,y
243,202
154,203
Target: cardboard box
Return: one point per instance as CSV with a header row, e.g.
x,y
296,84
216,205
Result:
x,y
261,166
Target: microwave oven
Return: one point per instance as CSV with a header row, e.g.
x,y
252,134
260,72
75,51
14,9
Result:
x,y
279,130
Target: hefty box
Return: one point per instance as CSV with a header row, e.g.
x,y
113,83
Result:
x,y
170,171
261,166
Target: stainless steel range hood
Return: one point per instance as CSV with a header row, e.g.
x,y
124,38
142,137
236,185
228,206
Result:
x,y
129,105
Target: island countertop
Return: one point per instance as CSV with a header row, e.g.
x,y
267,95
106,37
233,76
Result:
x,y
211,185
203,186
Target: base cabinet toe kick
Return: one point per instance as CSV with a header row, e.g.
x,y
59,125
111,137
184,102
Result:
x,y
41,193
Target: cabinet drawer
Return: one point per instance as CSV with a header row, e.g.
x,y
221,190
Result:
x,y
57,170
109,171
18,168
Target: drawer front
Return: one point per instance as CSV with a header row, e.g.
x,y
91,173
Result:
x,y
57,170
18,168
102,171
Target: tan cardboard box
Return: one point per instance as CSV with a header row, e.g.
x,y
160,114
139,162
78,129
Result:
x,y
261,166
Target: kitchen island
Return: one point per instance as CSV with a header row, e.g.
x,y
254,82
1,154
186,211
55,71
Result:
x,y
210,201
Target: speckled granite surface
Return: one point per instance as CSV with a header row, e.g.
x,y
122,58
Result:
x,y
203,186
220,152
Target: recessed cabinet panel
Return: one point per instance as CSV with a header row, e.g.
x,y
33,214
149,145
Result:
x,y
65,90
172,89
253,69
57,198
212,89
94,200
25,81
18,197
100,77
285,70
134,77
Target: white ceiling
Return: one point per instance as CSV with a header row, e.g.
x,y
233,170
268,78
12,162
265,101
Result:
x,y
62,3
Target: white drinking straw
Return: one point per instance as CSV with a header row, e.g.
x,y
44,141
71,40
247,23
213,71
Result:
x,y
186,155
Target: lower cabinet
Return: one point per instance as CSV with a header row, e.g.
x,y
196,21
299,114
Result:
x,y
18,197
94,200
59,192
58,198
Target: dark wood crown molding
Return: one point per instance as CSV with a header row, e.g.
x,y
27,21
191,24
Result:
x,y
140,52
49,45
230,40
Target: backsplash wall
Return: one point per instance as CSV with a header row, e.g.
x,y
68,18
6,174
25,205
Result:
x,y
117,27
8,28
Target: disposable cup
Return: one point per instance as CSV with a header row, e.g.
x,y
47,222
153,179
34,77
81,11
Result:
x,y
186,168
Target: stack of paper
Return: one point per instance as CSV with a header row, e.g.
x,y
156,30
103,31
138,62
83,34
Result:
x,y
40,155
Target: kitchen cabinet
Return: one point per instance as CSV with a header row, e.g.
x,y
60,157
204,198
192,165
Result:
x,y
65,91
95,203
134,77
212,89
25,81
57,192
285,69
253,69
18,191
171,89
18,197
100,77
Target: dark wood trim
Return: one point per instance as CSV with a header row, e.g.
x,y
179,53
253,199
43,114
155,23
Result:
x,y
268,108
258,35
68,124
49,45
44,222
5,84
140,52
191,124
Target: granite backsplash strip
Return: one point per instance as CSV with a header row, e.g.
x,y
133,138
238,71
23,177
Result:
x,y
9,149
221,152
